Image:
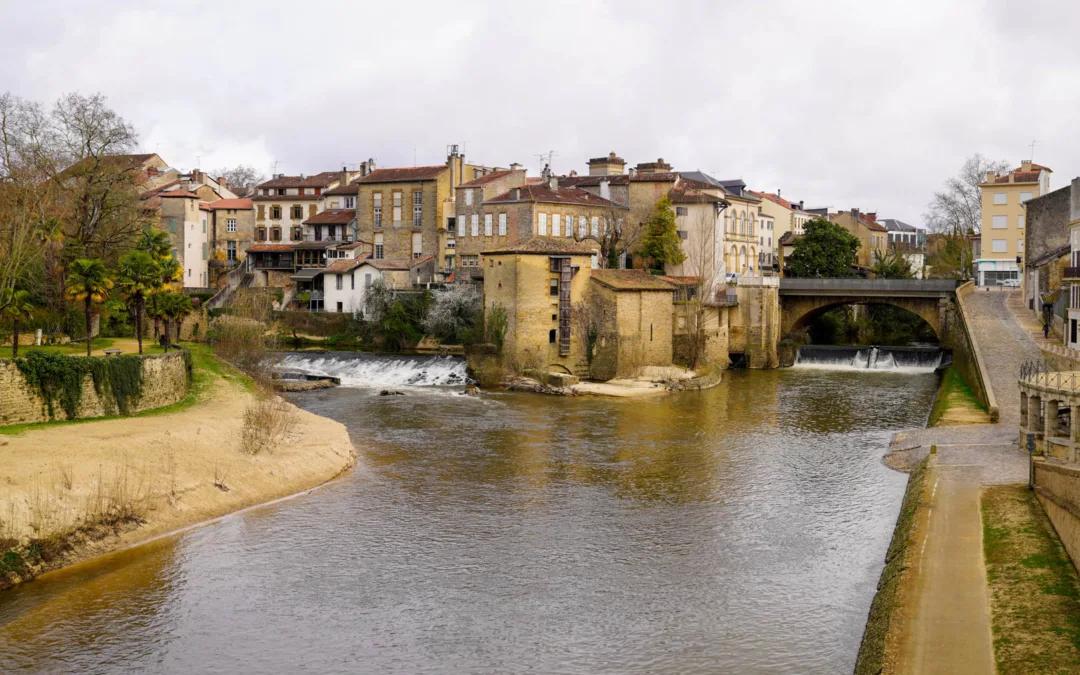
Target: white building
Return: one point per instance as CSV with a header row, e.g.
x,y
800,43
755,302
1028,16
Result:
x,y
1072,273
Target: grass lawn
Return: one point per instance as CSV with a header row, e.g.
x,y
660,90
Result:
x,y
1034,588
956,403
126,345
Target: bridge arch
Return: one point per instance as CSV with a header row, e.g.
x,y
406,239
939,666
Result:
x,y
804,314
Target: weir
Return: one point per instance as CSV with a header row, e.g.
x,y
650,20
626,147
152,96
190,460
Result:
x,y
373,370
895,359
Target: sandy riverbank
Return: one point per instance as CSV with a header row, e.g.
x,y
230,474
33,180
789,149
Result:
x,y
177,469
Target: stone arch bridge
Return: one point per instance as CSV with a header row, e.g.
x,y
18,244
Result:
x,y
801,300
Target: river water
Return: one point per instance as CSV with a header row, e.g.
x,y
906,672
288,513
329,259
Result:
x,y
740,529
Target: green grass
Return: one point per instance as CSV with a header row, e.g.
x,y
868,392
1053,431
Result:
x,y
79,348
206,367
953,392
1034,588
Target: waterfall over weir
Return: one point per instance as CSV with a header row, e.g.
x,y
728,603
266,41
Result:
x,y
886,359
375,370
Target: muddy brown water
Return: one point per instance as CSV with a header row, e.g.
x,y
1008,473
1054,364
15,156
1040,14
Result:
x,y
740,529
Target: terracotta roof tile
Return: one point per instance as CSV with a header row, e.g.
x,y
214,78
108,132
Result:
x,y
665,177
631,280
404,175
178,193
776,199
1019,177
693,196
332,217
491,177
341,266
351,189
240,204
544,194
318,180
269,248
158,190
548,246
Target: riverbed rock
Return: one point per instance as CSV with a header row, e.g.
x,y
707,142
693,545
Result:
x,y
284,384
391,392
472,390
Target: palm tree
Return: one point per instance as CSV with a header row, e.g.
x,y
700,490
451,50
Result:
x,y
180,309
156,243
17,305
170,272
140,276
89,281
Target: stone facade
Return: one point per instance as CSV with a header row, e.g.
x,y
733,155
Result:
x,y
468,203
186,222
232,231
165,381
1046,236
637,329
873,237
755,324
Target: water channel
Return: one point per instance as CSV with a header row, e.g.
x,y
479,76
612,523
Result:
x,y
739,529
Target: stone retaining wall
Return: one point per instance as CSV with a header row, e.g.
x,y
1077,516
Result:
x,y
1057,486
165,381
967,358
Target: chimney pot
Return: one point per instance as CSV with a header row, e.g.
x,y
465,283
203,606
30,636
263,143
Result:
x,y
223,182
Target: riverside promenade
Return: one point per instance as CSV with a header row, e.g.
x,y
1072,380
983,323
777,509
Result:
x,y
945,616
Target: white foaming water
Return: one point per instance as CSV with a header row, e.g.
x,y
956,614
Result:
x,y
366,370
872,359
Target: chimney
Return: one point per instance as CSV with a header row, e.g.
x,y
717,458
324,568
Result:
x,y
223,182
344,180
553,183
370,165
855,214
633,171
1025,165
872,216
515,194
516,167
605,189
545,174
990,176
301,176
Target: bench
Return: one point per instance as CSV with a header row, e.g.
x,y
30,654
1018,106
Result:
x,y
112,352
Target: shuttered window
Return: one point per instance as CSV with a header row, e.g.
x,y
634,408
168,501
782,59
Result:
x,y
556,225
487,224
596,226
541,224
475,225
502,224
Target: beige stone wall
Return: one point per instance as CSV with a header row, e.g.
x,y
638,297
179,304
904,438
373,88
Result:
x,y
1057,487
717,334
165,381
397,238
755,323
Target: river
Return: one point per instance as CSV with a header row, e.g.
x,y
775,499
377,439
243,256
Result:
x,y
739,529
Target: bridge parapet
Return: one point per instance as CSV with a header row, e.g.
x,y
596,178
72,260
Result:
x,y
868,287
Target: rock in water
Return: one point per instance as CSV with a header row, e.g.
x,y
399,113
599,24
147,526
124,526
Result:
x,y
391,392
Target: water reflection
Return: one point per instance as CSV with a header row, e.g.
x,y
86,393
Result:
x,y
739,529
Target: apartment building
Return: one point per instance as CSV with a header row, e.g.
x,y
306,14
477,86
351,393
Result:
x,y
467,242
1071,274
787,216
699,221
1002,223
232,231
872,235
283,203
741,223
186,220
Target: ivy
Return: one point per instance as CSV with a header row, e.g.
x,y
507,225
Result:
x,y
59,378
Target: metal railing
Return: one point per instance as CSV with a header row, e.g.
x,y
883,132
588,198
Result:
x,y
1038,373
1071,273
346,238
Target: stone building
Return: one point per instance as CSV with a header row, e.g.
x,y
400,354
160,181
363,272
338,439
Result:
x,y
872,235
1003,221
538,282
787,216
186,219
283,203
232,231
1046,250
741,223
700,223
636,325
467,243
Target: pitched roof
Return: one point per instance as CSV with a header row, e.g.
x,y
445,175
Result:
x,y
347,265
686,195
545,246
350,189
269,248
894,225
661,177
542,193
631,280
158,190
332,217
396,263
863,219
493,176
405,175
242,203
593,181
775,199
318,180
178,193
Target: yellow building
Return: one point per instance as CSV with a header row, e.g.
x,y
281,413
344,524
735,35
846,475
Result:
x,y
1002,222
873,237
636,327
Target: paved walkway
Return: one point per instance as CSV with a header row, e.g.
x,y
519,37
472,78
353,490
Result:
x,y
947,623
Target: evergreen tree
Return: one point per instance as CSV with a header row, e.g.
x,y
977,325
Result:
x,y
18,307
661,242
824,250
88,281
140,276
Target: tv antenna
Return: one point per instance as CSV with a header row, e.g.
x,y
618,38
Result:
x,y
546,157
1033,144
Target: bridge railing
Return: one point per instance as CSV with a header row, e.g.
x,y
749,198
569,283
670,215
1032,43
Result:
x,y
877,286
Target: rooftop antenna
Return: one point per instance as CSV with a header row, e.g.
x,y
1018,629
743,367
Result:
x,y
1033,144
546,157
414,154
198,161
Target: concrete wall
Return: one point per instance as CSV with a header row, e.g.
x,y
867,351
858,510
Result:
x,y
967,357
1057,487
165,381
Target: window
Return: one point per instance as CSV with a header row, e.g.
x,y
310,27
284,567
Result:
x,y
581,226
683,234
553,287
376,216
1000,222
397,208
487,224
339,283
367,280
298,212
541,224
999,246
417,208
378,247
1024,196
260,234
680,210
275,213
230,225
1020,222
350,202
297,233
1020,245
230,251
468,198
595,226
417,244
204,225
555,226
1001,198
502,224
204,251
475,225
340,309
552,334
451,243
275,234
172,226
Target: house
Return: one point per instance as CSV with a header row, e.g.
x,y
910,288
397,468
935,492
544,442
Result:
x,y
345,282
538,282
700,223
283,203
787,216
469,201
741,224
872,236
767,260
343,196
1046,250
186,220
1003,221
785,246
635,329
907,241
232,231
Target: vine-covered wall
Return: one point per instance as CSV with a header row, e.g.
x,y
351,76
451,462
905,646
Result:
x,y
42,387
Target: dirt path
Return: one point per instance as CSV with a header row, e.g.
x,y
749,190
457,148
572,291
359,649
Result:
x,y
946,626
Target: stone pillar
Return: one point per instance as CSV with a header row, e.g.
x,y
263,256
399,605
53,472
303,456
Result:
x,y
1050,421
1074,431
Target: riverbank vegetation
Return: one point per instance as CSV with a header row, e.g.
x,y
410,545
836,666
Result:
x,y
870,325
875,651
1034,588
955,403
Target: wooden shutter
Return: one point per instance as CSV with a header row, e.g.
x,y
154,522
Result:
x,y
262,211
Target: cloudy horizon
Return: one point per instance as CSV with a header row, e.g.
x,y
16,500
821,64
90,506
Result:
x,y
839,104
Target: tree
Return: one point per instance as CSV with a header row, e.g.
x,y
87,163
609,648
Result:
x,y
891,265
615,237
706,266
240,176
88,281
156,243
948,257
824,250
177,307
139,277
18,308
957,209
589,320
661,241
455,310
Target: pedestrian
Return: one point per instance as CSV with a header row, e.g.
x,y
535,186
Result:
x,y
1046,330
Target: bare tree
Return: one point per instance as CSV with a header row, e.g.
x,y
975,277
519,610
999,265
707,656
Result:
x,y
240,176
616,237
590,320
957,209
704,262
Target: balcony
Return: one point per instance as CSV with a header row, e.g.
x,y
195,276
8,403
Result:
x,y
1071,273
346,238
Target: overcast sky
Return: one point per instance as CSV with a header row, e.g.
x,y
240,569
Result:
x,y
840,104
